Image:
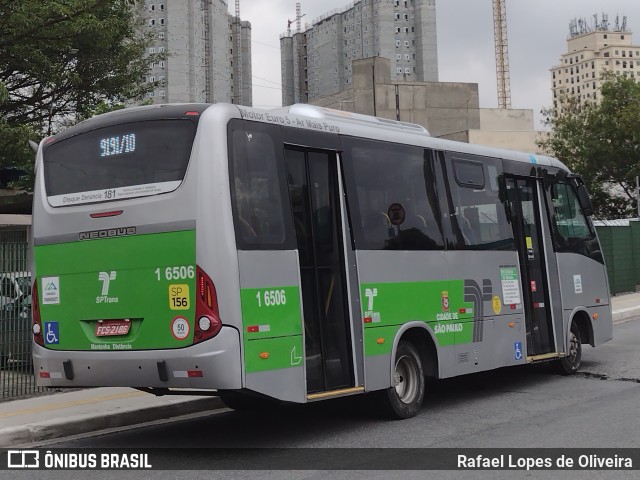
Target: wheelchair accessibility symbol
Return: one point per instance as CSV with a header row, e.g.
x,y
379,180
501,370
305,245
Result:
x,y
517,350
51,333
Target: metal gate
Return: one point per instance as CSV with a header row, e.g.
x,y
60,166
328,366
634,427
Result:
x,y
16,368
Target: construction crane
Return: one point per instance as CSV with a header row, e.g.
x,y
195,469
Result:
x,y
299,15
502,53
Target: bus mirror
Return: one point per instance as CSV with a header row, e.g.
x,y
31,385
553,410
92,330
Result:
x,y
585,201
34,146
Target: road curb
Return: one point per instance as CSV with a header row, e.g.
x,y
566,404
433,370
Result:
x,y
89,423
624,314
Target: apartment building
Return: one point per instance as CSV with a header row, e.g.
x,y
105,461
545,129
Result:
x,y
592,50
208,51
317,62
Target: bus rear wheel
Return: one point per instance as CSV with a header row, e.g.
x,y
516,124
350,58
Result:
x,y
571,363
404,398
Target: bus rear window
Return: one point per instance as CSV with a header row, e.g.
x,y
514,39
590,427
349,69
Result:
x,y
118,162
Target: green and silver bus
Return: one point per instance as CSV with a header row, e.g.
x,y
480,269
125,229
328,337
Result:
x,y
302,254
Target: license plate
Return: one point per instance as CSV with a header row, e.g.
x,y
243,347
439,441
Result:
x,y
109,328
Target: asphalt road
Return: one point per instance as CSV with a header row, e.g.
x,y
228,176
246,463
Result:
x,y
517,407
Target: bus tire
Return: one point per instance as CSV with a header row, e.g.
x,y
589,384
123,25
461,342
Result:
x,y
404,398
571,363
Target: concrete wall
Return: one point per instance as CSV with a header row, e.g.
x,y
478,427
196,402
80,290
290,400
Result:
x,y
442,108
522,141
340,101
506,119
448,110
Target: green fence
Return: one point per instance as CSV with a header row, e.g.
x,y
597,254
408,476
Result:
x,y
620,241
16,368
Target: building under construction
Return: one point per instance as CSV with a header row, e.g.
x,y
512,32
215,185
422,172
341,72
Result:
x,y
317,59
208,51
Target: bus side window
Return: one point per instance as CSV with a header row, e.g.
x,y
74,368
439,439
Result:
x,y
256,190
391,200
571,229
479,214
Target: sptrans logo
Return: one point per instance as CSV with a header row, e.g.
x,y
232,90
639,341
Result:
x,y
106,278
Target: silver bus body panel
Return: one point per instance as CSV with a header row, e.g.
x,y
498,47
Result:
x,y
495,339
217,358
269,269
286,384
582,289
215,238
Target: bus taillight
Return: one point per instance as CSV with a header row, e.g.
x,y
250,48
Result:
x,y
36,326
208,322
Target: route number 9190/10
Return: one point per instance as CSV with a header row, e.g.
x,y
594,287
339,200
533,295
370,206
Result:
x,y
271,298
176,273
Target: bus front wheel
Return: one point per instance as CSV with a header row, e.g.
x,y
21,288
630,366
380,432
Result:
x,y
404,398
571,363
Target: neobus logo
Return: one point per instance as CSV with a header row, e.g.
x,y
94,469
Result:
x,y
109,233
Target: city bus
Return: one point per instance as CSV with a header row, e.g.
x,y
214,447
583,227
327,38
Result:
x,y
303,254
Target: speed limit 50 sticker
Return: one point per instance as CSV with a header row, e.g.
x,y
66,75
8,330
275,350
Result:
x,y
180,328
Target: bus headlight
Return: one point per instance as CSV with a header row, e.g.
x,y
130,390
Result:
x,y
36,329
204,323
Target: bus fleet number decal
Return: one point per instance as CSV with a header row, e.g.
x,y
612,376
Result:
x,y
271,298
176,273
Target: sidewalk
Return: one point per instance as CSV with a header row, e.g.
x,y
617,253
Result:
x,y
38,419
625,307
59,415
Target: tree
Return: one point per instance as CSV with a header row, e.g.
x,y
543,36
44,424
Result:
x,y
601,142
62,60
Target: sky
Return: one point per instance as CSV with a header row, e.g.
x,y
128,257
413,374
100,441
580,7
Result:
x,y
537,33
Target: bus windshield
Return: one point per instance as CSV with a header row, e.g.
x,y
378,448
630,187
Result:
x,y
118,162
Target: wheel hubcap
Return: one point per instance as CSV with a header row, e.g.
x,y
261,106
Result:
x,y
573,347
406,379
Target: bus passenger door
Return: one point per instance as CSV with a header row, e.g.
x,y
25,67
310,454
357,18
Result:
x,y
524,200
314,196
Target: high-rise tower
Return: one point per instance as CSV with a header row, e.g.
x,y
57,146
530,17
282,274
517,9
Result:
x,y
208,51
